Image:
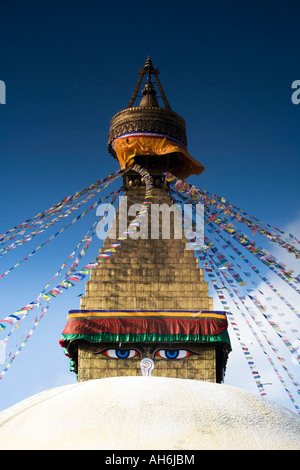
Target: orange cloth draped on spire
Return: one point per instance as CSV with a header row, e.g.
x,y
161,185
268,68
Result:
x,y
127,147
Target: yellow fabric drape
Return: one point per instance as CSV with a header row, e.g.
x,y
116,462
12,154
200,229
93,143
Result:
x,y
127,148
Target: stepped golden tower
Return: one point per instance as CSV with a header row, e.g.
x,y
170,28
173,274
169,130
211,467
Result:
x,y
147,309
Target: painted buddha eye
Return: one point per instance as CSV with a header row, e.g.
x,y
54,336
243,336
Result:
x,y
120,353
173,353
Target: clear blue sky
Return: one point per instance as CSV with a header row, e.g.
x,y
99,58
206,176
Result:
x,y
69,66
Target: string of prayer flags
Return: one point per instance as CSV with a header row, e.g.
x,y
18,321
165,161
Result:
x,y
255,270
234,296
70,207
63,204
270,325
64,283
82,273
266,258
219,208
215,276
266,312
93,206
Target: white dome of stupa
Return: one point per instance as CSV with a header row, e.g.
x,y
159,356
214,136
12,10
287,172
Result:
x,y
149,413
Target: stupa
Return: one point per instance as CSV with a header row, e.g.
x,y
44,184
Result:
x,y
146,310
147,316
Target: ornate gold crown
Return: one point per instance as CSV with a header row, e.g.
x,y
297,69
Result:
x,y
148,116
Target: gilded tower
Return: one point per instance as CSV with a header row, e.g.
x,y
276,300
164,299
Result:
x,y
147,309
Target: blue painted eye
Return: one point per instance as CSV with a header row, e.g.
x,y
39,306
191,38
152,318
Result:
x,y
120,353
173,353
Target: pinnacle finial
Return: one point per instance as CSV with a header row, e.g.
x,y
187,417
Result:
x,y
148,65
150,70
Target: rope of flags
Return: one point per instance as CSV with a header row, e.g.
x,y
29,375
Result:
x,y
255,269
64,211
267,323
190,194
220,205
223,255
15,319
69,209
259,321
215,278
244,310
54,209
75,276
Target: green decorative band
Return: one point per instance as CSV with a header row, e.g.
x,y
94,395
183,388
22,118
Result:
x,y
145,337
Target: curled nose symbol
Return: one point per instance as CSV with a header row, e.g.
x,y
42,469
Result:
x,y
147,366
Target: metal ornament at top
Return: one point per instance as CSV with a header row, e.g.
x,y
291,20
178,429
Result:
x,y
148,116
149,69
